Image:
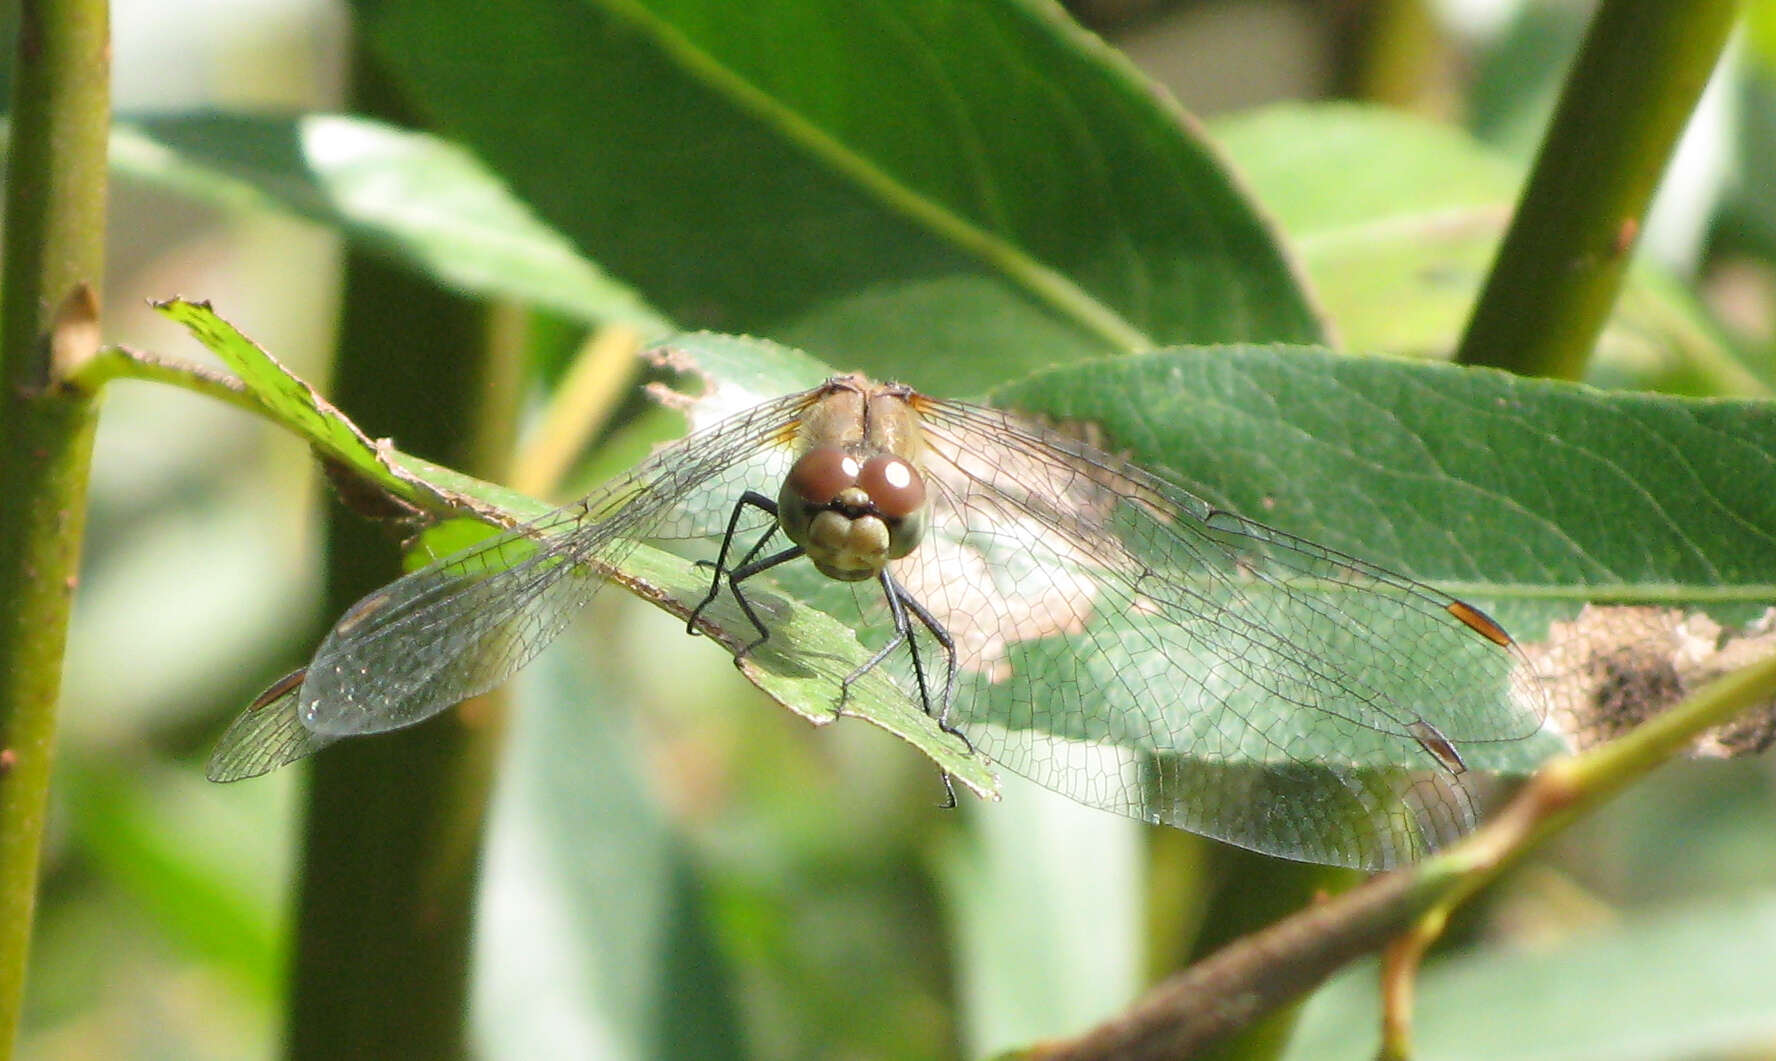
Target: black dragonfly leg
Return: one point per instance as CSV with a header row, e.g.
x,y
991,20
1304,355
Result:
x,y
746,571
900,604
938,631
750,498
897,600
746,567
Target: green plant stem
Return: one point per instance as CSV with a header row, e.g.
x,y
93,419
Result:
x,y
1391,52
1632,88
391,836
53,265
393,825
1565,789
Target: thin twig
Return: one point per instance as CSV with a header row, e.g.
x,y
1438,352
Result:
x,y
124,362
1248,978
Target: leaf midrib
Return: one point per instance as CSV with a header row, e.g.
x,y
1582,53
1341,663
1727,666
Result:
x,y
1039,281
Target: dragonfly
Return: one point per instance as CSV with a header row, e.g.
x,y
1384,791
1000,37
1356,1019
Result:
x,y
1053,607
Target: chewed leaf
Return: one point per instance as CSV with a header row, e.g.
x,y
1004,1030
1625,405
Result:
x,y
347,451
1617,666
292,400
1059,609
1071,616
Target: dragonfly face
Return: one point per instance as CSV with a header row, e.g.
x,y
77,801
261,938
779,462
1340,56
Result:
x,y
852,514
1074,617
854,500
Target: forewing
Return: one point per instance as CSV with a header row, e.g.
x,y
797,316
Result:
x,y
464,624
1123,642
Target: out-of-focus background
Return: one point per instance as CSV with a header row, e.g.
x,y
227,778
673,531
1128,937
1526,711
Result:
x,y
845,915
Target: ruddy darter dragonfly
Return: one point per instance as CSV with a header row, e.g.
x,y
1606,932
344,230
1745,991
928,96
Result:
x,y
1075,618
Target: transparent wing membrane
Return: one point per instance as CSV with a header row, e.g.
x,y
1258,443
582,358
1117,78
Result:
x,y
1116,638
267,735
1257,687
467,622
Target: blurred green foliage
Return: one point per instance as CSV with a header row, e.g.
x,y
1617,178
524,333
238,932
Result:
x,y
954,194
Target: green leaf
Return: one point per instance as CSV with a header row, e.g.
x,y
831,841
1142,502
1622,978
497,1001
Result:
x,y
593,939
1396,219
987,179
339,443
178,851
1514,493
1528,497
421,201
1045,899
288,399
1161,701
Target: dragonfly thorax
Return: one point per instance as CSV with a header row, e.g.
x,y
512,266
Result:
x,y
852,514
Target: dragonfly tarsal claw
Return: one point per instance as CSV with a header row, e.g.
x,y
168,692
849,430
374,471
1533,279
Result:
x,y
949,802
943,723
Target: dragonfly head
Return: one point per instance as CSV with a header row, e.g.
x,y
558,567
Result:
x,y
850,513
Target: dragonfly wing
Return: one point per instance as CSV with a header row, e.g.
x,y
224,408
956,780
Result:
x,y
1123,642
466,623
262,738
454,629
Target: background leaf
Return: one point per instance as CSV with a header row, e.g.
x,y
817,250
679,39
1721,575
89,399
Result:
x,y
595,939
1595,994
983,173
1527,496
1396,219
421,201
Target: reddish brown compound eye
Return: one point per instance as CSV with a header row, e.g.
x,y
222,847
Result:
x,y
893,486
820,475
